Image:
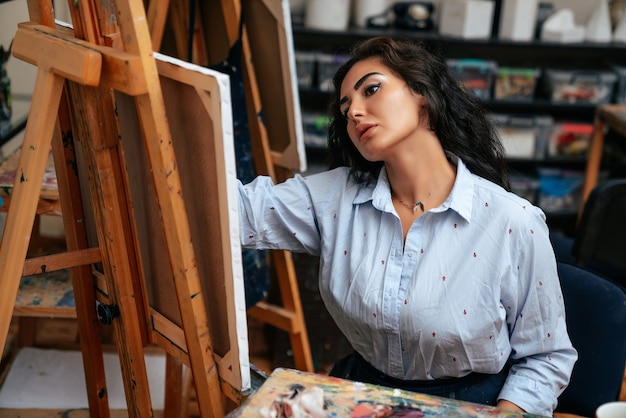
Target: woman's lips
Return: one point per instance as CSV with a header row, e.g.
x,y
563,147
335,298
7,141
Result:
x,y
363,128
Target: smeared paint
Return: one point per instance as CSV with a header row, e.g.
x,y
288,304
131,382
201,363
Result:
x,y
344,398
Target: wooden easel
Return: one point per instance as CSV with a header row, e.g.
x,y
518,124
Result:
x,y
108,50
290,316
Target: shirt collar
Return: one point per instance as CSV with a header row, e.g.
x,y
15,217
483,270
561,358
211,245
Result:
x,y
459,200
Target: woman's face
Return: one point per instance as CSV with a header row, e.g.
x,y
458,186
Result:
x,y
382,112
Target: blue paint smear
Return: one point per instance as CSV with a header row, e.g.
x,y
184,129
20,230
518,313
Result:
x,y
67,299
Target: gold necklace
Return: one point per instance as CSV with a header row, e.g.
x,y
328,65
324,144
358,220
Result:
x,y
417,205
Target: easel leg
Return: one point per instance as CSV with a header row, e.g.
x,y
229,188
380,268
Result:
x,y
174,387
30,171
111,212
82,278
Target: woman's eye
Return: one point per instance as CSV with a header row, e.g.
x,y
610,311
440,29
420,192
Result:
x,y
369,90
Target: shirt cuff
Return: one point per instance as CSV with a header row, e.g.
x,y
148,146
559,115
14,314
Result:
x,y
532,396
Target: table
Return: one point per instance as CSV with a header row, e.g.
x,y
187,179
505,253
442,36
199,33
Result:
x,y
344,398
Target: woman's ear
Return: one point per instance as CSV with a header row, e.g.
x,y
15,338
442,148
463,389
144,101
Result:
x,y
423,112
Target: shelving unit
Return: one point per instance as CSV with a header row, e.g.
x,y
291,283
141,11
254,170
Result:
x,y
535,54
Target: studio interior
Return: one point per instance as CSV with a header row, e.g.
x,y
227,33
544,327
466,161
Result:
x,y
129,130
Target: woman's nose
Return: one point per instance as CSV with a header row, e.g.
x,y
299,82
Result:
x,y
355,111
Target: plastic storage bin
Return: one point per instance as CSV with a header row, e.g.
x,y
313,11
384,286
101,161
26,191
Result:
x,y
327,65
525,186
560,190
580,86
305,68
515,84
523,136
476,75
315,127
570,139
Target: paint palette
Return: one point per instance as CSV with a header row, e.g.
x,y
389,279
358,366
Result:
x,y
344,398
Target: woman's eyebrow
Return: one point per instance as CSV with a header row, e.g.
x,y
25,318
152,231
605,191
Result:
x,y
358,84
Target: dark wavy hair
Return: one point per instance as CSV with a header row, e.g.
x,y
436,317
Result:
x,y
456,115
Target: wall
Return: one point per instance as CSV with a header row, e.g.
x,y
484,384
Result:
x,y
22,74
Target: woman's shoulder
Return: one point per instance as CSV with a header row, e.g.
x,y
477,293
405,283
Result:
x,y
335,179
508,202
333,187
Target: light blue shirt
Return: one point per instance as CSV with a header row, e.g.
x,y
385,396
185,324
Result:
x,y
474,285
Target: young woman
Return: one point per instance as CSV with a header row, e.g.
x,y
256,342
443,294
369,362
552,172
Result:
x,y
442,280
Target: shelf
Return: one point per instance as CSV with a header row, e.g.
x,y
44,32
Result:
x,y
311,98
583,53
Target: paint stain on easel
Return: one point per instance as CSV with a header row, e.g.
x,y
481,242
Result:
x,y
22,178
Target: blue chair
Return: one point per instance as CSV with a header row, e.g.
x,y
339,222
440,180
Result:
x,y
595,310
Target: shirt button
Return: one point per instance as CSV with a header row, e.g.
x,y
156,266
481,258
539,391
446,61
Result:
x,y
410,254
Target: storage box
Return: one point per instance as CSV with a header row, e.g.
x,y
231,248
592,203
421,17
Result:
x,y
476,75
518,19
469,19
580,86
315,127
523,136
327,65
570,139
515,84
305,68
525,186
560,190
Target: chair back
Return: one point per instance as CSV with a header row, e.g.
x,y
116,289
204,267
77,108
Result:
x,y
599,241
595,309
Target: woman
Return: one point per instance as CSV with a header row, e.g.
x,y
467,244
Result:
x,y
442,280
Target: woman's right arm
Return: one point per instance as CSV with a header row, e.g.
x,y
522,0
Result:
x,y
277,216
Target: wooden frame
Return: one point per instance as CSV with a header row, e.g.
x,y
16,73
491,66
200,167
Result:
x,y
199,115
85,77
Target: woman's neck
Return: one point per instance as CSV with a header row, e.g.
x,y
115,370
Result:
x,y
425,176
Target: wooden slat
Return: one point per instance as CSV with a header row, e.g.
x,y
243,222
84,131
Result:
x,y
69,60
54,262
275,316
101,65
44,312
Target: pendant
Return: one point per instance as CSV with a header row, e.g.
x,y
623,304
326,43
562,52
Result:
x,y
418,205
